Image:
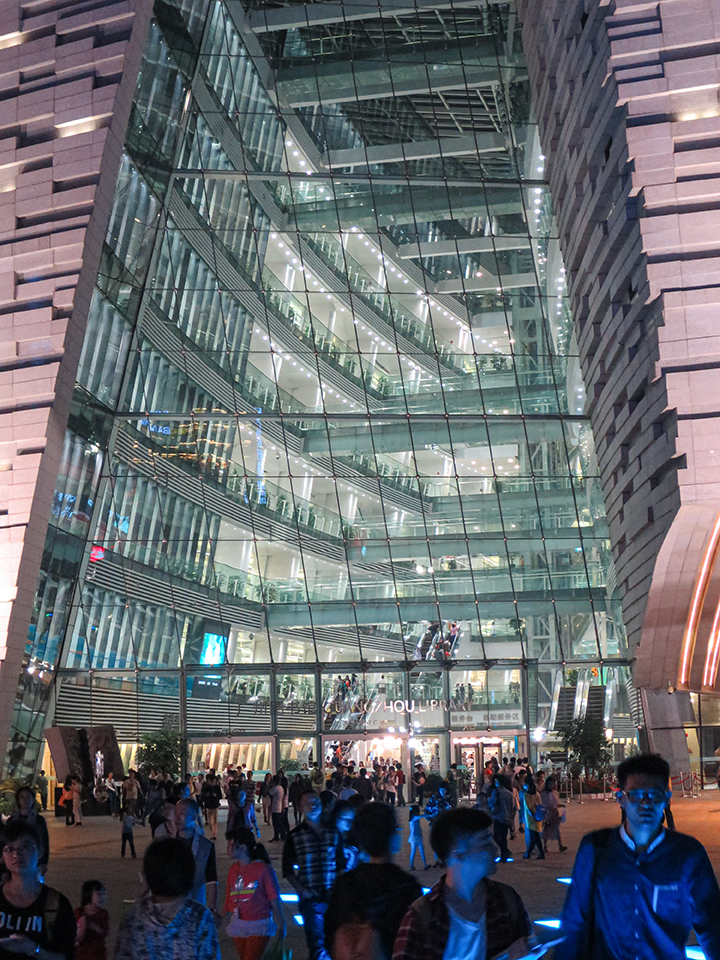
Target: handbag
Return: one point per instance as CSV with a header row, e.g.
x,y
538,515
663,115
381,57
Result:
x,y
276,950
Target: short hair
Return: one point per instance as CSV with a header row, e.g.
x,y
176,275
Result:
x,y
449,826
24,788
169,868
374,827
190,805
649,764
15,829
88,889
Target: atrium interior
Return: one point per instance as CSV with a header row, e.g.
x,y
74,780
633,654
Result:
x,y
329,420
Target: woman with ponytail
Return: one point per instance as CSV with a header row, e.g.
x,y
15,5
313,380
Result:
x,y
252,896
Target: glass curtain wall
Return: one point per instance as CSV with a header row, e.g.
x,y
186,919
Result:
x,y
328,466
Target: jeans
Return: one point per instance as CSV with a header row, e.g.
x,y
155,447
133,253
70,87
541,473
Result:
x,y
500,836
390,797
278,826
113,802
313,914
43,800
69,817
127,838
401,794
533,838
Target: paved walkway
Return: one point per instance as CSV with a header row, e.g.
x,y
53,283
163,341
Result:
x,y
93,852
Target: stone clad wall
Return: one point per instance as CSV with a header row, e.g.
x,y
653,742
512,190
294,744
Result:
x,y
629,115
67,77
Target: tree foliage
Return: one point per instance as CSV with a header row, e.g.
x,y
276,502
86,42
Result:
x,y
586,744
162,751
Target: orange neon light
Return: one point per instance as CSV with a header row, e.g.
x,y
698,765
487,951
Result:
x,y
713,653
699,595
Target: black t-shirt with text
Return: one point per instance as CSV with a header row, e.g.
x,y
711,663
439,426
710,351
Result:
x,y
49,921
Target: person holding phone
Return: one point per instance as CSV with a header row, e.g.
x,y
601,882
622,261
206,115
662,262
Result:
x,y
37,920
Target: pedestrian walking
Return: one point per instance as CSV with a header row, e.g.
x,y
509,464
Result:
x,y
41,786
210,799
466,915
309,863
128,824
534,817
502,807
26,811
277,795
131,791
66,801
400,774
166,923
265,796
113,798
638,889
368,903
186,816
554,815
93,922
37,920
294,793
416,837
252,897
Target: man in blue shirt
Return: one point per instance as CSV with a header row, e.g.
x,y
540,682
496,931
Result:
x,y
637,890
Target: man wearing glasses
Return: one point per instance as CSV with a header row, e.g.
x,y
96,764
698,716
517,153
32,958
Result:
x,y
638,889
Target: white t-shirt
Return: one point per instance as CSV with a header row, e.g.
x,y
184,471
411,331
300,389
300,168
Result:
x,y
278,794
467,940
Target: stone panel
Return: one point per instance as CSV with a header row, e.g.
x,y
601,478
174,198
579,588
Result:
x,y
67,76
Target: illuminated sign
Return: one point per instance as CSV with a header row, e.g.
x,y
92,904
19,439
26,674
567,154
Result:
x,y
213,649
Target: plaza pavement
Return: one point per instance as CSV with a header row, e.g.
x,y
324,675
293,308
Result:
x,y
93,852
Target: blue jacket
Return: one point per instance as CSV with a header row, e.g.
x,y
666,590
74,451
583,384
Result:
x,y
643,905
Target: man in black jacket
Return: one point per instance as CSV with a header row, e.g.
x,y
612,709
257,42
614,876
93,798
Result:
x,y
369,902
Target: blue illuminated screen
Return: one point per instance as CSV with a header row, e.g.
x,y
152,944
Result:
x,y
213,649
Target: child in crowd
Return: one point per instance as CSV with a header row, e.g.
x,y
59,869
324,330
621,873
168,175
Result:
x,y
93,922
129,821
247,813
252,896
416,838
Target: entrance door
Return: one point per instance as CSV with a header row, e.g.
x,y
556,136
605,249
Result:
x,y
467,757
490,750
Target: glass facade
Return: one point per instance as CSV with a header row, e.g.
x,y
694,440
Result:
x,y
328,472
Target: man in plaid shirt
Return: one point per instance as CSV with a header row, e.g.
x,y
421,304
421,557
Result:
x,y
466,916
310,864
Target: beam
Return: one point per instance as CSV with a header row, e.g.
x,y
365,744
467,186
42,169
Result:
x,y
455,203
343,612
416,150
421,431
487,281
451,248
415,548
379,83
269,19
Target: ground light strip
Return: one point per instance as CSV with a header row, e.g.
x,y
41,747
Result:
x,y
693,953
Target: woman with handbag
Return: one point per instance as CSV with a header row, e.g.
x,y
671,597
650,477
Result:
x,y
253,898
534,818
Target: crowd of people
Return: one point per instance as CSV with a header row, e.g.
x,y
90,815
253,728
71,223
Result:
x,y
355,902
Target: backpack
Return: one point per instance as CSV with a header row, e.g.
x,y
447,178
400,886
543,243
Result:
x,y
357,941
